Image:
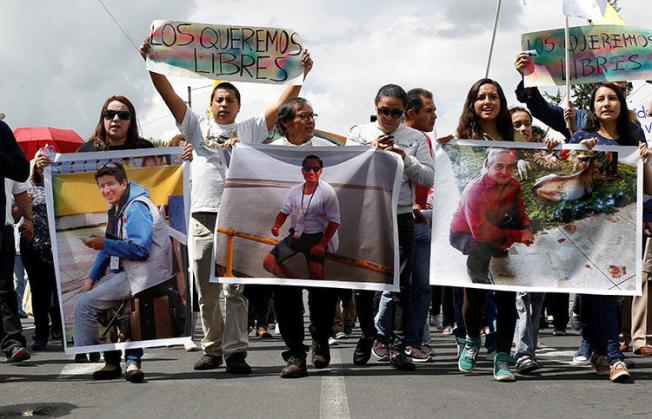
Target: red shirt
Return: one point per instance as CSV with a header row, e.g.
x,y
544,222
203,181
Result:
x,y
484,205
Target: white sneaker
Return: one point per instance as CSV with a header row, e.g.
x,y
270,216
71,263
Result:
x,y
190,346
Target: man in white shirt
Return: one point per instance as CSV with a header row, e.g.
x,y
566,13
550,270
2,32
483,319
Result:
x,y
208,137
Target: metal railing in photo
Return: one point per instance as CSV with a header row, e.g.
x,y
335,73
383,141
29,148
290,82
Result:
x,y
231,234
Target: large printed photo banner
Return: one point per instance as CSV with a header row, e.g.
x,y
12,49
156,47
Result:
x,y
356,198
119,247
221,52
517,217
598,53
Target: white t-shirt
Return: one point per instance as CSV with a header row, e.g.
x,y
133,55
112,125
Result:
x,y
313,142
208,168
315,211
12,188
417,165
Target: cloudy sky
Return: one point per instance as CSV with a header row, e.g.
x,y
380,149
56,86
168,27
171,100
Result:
x,y
61,60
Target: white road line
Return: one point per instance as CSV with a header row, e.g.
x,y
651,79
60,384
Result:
x,y
79,369
333,401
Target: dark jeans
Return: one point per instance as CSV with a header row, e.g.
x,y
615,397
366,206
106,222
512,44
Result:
x,y
402,299
42,282
288,304
599,315
473,309
557,306
10,327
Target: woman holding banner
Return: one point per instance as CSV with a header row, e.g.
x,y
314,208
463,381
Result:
x,y
388,133
608,124
485,116
116,130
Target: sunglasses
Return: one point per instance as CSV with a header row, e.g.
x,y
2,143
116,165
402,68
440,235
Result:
x,y
307,116
313,168
110,114
394,113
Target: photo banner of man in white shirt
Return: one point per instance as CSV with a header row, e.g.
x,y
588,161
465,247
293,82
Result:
x,y
318,216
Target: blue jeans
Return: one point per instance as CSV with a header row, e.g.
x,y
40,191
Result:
x,y
600,318
393,321
528,310
131,356
421,290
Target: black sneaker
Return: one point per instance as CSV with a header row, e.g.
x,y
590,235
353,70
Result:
x,y
295,368
40,344
362,351
94,357
236,364
208,362
321,354
18,354
400,361
134,374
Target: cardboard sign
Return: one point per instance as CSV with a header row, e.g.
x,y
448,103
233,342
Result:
x,y
220,52
598,53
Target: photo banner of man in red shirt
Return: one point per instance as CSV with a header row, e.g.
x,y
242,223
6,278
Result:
x,y
516,216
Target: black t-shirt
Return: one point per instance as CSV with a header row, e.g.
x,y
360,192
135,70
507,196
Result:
x,y
90,146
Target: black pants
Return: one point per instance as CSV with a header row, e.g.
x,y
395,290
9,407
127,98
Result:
x,y
473,310
288,303
260,304
10,327
42,282
448,307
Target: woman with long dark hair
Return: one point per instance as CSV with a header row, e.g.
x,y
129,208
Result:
x,y
485,116
608,124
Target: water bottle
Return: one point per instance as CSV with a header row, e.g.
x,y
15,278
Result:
x,y
49,151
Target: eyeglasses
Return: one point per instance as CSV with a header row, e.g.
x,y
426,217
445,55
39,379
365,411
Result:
x,y
307,116
313,168
394,113
110,114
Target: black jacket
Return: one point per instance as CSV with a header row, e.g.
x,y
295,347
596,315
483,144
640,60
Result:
x,y
13,165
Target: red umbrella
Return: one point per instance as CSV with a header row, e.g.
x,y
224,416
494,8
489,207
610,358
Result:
x,y
31,139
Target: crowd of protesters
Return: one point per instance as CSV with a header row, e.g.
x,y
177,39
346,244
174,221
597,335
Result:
x,y
395,326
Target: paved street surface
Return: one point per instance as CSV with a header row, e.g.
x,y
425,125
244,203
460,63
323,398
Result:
x,y
51,384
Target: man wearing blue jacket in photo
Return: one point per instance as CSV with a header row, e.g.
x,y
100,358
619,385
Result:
x,y
134,255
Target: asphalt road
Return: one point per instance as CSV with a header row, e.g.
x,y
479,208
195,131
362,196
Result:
x,y
51,384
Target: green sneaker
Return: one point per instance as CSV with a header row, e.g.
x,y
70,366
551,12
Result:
x,y
501,367
469,353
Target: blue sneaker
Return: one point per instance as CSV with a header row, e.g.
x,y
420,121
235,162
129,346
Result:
x,y
469,353
501,367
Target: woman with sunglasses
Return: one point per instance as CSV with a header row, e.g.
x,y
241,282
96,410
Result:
x,y
608,124
485,116
116,130
388,133
296,121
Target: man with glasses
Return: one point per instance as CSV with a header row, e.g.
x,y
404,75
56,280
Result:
x,y
208,136
135,254
314,212
388,133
